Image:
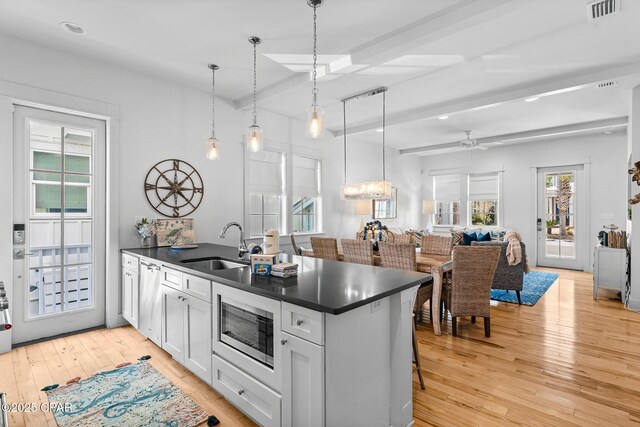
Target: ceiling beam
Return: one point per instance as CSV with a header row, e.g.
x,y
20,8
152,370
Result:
x,y
616,123
547,87
459,16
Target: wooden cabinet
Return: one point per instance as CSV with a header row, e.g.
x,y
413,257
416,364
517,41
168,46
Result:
x,y
609,269
130,307
186,331
303,382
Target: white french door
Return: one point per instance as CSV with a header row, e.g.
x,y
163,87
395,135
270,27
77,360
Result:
x,y
561,217
59,195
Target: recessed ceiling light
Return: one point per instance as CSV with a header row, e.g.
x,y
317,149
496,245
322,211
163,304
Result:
x,y
73,28
533,98
443,117
379,130
608,132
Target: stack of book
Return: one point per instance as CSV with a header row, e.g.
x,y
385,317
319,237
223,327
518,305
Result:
x,y
285,269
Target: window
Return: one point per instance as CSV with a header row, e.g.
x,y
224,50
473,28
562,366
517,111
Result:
x,y
266,170
483,199
446,189
306,193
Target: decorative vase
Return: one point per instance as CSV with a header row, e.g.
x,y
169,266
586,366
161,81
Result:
x,y
145,242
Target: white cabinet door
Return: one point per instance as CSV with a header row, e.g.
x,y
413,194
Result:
x,y
173,322
130,296
150,316
197,337
302,382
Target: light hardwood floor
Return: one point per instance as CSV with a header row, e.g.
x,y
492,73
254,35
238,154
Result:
x,y
568,360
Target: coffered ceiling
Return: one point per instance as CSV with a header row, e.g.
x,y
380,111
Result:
x,y
473,61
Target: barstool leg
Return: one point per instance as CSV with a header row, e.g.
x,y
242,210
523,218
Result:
x,y
416,356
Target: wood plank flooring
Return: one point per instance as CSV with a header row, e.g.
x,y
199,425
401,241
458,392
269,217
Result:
x,y
566,361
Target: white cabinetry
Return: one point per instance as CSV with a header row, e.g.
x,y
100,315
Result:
x,y
130,289
302,382
150,315
609,269
186,330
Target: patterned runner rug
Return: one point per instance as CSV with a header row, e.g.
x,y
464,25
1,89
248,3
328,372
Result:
x,y
133,395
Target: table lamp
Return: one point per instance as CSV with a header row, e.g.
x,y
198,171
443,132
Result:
x,y
429,208
363,208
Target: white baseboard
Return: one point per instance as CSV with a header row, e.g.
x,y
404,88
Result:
x,y
634,304
119,321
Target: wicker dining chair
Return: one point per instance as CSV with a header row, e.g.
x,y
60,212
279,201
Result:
x,y
436,245
297,249
403,238
325,248
357,251
469,292
403,257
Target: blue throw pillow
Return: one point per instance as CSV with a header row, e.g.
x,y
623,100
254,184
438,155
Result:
x,y
486,237
468,238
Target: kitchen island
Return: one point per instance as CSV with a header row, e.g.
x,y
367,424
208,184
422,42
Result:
x,y
331,346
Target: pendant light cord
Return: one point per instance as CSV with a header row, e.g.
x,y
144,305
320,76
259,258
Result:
x,y
344,133
384,122
315,57
255,97
213,103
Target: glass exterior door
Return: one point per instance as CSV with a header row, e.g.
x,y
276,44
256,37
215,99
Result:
x,y
59,167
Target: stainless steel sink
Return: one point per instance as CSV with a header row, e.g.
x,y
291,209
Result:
x,y
213,263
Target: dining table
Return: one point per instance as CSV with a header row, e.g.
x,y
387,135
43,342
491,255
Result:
x,y
436,265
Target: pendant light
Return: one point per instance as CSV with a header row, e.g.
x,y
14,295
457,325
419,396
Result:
x,y
213,145
254,133
315,115
374,189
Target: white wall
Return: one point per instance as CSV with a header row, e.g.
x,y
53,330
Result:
x,y
633,150
606,154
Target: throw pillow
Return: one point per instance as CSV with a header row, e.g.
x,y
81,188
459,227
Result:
x,y
486,237
457,237
468,238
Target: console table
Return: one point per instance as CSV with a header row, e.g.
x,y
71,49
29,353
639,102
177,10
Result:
x,y
609,269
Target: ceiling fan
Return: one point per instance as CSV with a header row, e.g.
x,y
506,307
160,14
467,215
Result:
x,y
472,144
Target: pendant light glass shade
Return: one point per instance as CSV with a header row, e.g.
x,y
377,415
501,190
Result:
x,y
254,139
213,145
213,149
254,133
315,122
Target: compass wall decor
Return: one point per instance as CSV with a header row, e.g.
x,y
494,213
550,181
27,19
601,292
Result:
x,y
174,188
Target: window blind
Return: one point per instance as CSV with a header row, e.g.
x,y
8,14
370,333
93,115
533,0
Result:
x,y
446,188
484,187
305,177
265,172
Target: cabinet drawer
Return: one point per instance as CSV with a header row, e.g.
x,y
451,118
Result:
x,y
197,287
130,262
171,278
247,394
304,323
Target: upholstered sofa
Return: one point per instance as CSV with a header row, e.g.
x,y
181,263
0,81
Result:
x,y
507,277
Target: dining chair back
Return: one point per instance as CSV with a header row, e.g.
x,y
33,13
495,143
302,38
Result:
x,y
436,245
297,250
403,238
469,292
325,248
398,256
357,251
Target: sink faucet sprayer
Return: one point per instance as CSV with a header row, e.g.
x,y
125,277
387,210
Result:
x,y
242,246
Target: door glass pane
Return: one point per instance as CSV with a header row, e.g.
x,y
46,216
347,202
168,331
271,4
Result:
x,y
560,224
60,269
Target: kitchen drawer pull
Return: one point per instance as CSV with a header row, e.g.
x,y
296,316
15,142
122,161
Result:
x,y
283,342
241,392
299,322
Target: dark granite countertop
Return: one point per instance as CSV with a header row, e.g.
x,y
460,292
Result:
x,y
330,286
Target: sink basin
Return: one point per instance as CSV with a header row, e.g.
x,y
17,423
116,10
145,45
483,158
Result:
x,y
213,263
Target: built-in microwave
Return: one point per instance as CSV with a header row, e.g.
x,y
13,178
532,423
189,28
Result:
x,y
246,328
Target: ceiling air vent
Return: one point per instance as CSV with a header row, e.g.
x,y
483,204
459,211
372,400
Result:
x,y
608,83
600,8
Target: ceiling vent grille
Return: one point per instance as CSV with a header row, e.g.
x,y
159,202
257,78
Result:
x,y
604,85
600,8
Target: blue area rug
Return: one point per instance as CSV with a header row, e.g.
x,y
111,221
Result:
x,y
536,283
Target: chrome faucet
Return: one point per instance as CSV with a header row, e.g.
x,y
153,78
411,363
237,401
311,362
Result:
x,y
242,246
